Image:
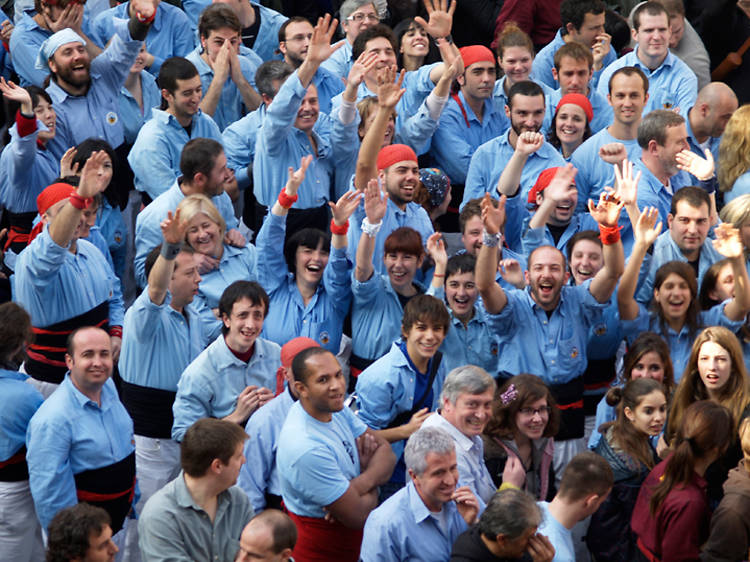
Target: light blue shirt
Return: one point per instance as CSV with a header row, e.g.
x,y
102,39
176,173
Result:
x,y
261,474
113,231
239,144
544,62
553,348
386,388
560,537
317,460
653,193
231,106
147,225
459,135
133,117
671,85
210,385
603,115
712,144
490,160
70,434
741,186
14,421
534,237
402,528
235,264
158,342
53,284
155,156
329,86
288,317
168,36
500,100
340,62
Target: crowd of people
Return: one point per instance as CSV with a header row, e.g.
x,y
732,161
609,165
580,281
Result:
x,y
357,281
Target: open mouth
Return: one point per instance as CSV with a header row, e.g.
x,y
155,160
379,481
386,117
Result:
x,y
546,288
712,378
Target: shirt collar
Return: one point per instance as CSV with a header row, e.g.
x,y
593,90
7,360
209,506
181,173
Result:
x,y
465,443
82,400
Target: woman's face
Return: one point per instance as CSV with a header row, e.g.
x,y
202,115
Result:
x,y
649,366
310,263
516,63
414,42
724,288
650,413
714,366
532,418
570,124
390,129
45,113
140,61
673,297
204,235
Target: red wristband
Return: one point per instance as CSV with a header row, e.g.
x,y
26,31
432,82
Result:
x,y
609,234
145,20
285,200
115,331
341,230
79,202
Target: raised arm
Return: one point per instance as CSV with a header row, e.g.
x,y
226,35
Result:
x,y
436,250
250,97
510,179
729,244
173,232
289,193
646,230
627,188
560,189
607,213
375,209
438,26
341,211
493,296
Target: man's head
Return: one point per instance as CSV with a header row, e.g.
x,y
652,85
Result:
x,y
212,449
479,74
15,333
585,255
676,12
430,457
81,533
242,308
89,358
217,25
461,291
319,382
294,40
470,223
688,218
713,108
508,522
583,20
64,54
269,77
525,107
367,108
586,482
563,212
628,94
309,110
466,399
378,39
183,285
356,16
403,254
289,351
269,537
181,89
399,171
423,327
52,199
546,276
662,135
203,165
573,68
651,30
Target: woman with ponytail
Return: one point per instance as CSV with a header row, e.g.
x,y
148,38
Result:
x,y
671,515
626,446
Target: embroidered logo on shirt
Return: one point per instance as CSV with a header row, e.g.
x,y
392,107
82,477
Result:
x,y
574,353
111,117
324,338
600,329
494,349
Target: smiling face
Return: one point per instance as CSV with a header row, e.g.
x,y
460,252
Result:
x,y
401,268
532,419
401,181
308,112
472,235
310,263
438,482
714,367
653,35
650,413
546,276
516,64
244,324
470,413
70,64
564,210
390,128
415,42
324,389
461,294
385,54
184,101
673,298
586,259
627,98
204,235
570,124
675,142
44,111
90,364
526,113
423,340
649,366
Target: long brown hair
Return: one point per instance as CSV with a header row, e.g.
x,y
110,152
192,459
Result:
x,y
685,271
643,344
528,389
705,426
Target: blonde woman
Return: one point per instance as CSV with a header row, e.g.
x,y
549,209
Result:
x,y
734,155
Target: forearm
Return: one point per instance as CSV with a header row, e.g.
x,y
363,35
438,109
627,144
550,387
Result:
x,y
350,93
438,276
158,279
605,281
540,218
394,434
741,284
250,97
510,179
368,151
626,291
62,228
365,250
307,71
378,471
211,100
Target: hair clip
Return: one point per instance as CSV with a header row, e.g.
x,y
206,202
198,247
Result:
x,y
509,395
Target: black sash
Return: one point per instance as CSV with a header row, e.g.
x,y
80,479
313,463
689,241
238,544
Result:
x,y
150,408
597,378
110,487
46,355
569,397
15,468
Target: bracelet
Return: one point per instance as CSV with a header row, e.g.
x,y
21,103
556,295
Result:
x,y
340,230
491,240
609,234
371,229
145,20
438,274
448,39
285,200
115,331
169,251
79,202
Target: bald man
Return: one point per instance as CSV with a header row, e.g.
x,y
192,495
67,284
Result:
x,y
269,537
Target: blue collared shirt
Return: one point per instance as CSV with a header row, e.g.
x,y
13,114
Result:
x,y
70,434
712,143
603,115
386,388
288,317
317,460
459,135
148,232
560,536
653,193
402,528
158,342
168,36
490,160
534,237
15,420
329,86
112,229
131,114
239,144
210,385
741,186
552,348
53,284
671,85
155,156
235,264
261,474
340,62
231,106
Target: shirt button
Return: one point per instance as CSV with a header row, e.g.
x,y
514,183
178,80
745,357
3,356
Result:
x,y
544,322
553,361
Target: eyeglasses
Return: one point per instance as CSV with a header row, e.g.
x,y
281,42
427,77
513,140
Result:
x,y
359,16
531,412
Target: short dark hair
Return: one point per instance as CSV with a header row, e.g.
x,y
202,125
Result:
x,y
282,528
574,11
673,7
15,331
587,473
69,531
267,73
510,513
693,196
85,149
404,239
575,51
379,30
172,70
153,255
654,126
199,156
629,71
460,263
425,308
242,290
307,238
299,363
206,440
473,208
218,16
590,235
293,19
650,8
524,88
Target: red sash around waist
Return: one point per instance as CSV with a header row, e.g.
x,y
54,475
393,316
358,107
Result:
x,y
319,540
